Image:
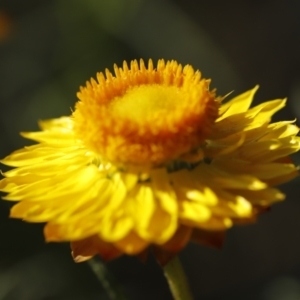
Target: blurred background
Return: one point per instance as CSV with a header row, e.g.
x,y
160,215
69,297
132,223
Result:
x,y
49,48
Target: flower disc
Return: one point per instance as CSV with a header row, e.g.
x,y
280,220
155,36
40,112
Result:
x,y
145,116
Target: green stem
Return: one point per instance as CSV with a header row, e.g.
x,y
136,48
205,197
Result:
x,y
177,280
107,280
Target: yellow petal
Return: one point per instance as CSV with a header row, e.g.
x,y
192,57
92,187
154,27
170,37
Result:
x,y
131,244
263,112
238,104
193,213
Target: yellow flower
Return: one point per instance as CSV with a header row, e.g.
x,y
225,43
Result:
x,y
151,157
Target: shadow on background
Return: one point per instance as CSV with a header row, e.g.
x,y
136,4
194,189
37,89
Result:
x,y
49,48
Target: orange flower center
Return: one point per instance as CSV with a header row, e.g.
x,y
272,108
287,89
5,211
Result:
x,y
145,116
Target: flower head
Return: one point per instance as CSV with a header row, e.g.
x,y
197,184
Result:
x,y
151,157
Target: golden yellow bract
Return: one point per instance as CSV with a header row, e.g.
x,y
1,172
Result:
x,y
145,116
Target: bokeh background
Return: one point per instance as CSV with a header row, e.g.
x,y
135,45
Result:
x,y
49,48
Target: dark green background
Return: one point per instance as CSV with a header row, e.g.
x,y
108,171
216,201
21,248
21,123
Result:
x,y
52,47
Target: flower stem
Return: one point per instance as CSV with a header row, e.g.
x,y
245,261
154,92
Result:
x,y
177,280
106,279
